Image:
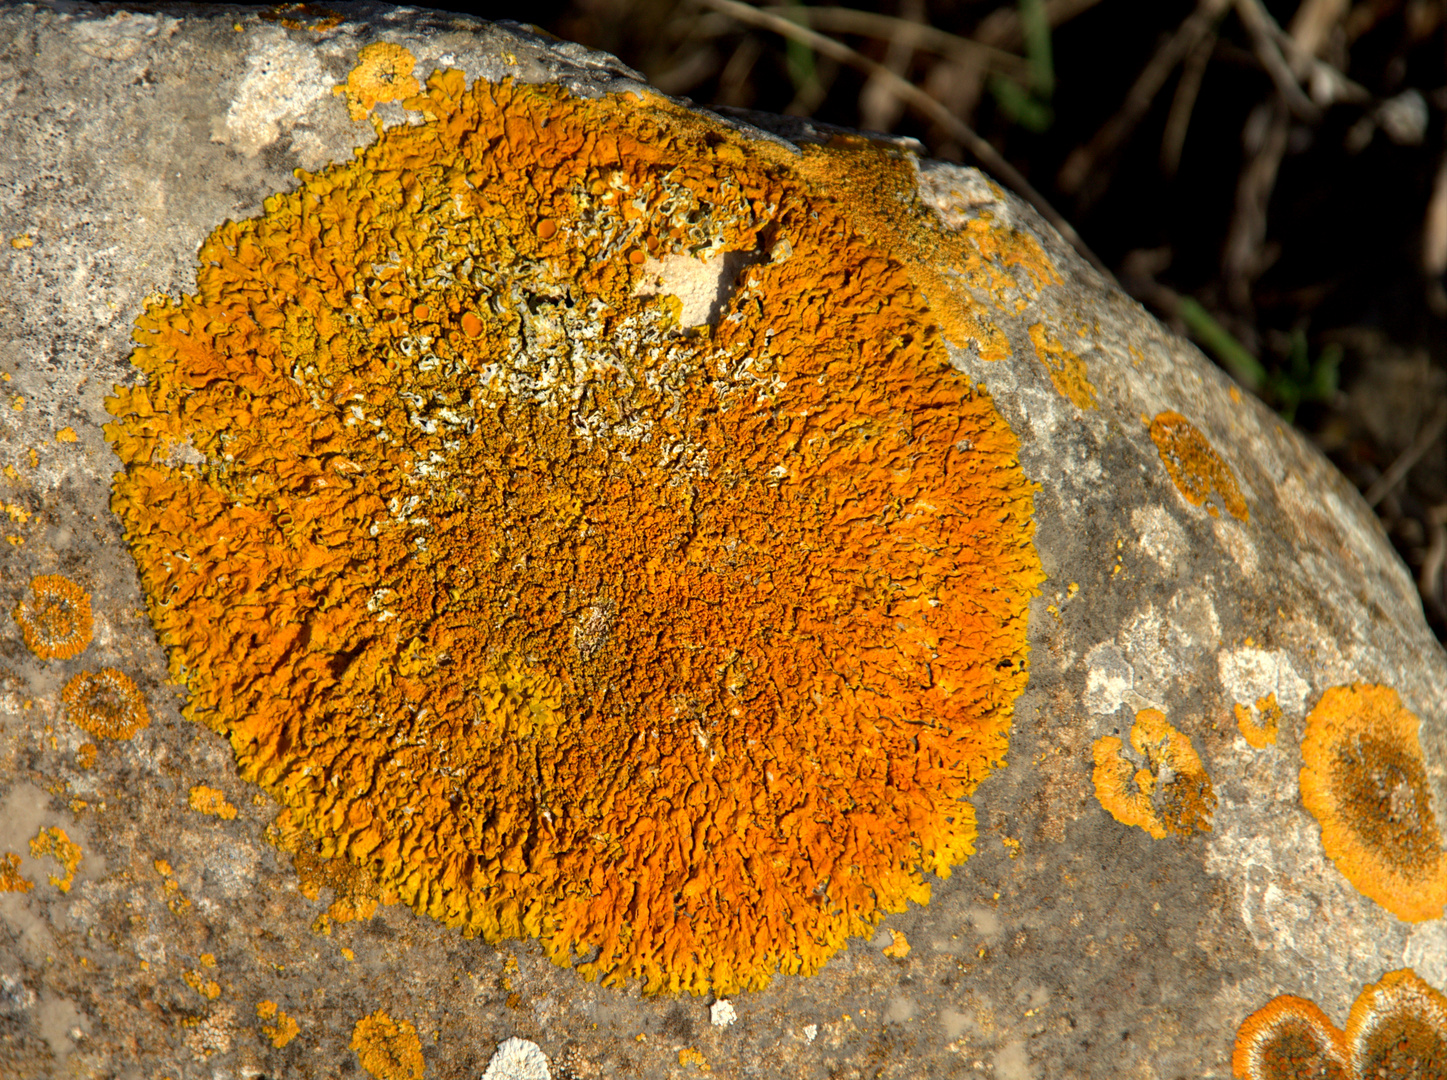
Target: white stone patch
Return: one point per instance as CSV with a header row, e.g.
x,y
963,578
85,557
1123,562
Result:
x,y
1192,622
722,1013
1238,545
701,286
518,1059
811,1031
1012,1062
1160,536
121,36
282,80
1110,682
1249,674
900,1009
1426,952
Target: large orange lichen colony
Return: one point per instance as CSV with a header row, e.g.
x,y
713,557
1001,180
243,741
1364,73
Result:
x,y
1170,795
1397,1029
1364,780
1195,467
56,622
678,649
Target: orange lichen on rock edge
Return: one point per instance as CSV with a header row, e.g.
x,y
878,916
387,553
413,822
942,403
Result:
x,y
1364,780
680,650
1195,467
1172,794
1067,371
1397,1028
388,1049
1259,724
105,704
56,621
11,879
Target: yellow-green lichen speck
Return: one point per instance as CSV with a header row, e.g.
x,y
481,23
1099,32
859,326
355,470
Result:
x,y
676,647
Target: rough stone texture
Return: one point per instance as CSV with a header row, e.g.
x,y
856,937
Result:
x,y
1070,944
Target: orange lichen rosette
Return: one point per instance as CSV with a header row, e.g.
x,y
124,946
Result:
x,y
1289,1039
1397,1029
106,704
678,648
1172,795
55,621
1364,781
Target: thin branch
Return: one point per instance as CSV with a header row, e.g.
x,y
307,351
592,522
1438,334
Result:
x,y
983,152
907,33
1397,471
1264,30
1084,160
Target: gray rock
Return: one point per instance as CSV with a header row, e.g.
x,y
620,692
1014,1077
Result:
x,y
180,940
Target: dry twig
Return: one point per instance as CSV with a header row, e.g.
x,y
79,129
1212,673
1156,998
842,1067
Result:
x,y
1397,471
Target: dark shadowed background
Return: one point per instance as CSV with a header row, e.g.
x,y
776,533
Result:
x,y
1267,176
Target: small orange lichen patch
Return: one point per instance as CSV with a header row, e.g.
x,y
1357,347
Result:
x,y
106,704
691,1055
680,651
275,1024
899,947
1195,467
1067,371
1397,1030
62,849
1289,1039
56,621
10,877
66,435
1260,724
1363,779
210,989
1171,795
85,755
209,800
388,1049
383,73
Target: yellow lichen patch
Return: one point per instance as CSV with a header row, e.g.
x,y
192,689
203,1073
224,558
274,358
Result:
x,y
275,1024
1363,779
1289,1039
1195,467
388,1049
1067,371
1398,1028
105,704
55,621
1259,724
899,947
383,73
209,800
11,879
1172,794
62,849
66,435
85,755
680,649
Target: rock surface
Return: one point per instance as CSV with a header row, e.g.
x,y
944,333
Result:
x,y
1227,773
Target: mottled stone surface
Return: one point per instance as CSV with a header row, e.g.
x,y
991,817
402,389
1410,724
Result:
x,y
1070,944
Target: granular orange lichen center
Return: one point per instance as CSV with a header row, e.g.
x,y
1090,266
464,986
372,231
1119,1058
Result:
x,y
679,649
